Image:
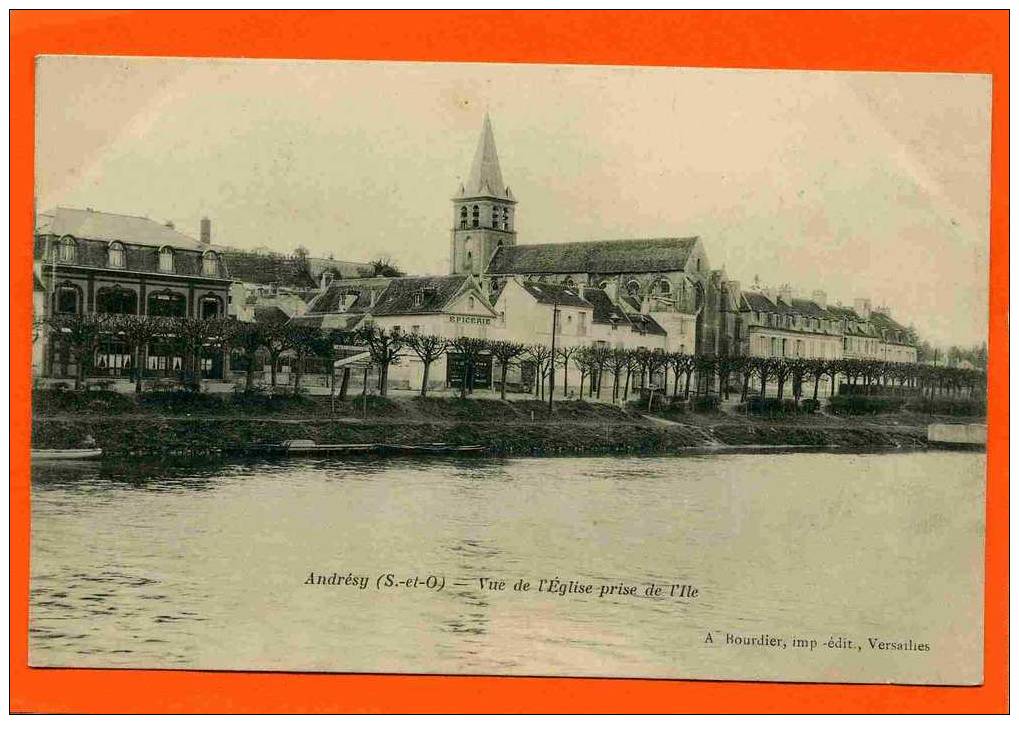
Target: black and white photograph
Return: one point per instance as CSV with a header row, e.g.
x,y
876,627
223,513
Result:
x,y
509,369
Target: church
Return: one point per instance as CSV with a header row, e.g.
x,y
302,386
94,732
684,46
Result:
x,y
666,280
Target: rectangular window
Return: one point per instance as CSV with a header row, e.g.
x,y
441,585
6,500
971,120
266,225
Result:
x,y
582,323
166,261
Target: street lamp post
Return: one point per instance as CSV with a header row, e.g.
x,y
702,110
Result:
x,y
551,374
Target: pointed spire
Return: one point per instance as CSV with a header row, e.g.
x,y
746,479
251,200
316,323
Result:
x,y
486,177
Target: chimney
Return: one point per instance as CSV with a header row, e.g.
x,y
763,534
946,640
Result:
x,y
206,231
327,278
820,298
883,310
862,307
786,293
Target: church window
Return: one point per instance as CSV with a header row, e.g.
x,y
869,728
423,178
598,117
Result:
x,y
633,288
495,217
664,288
463,217
568,282
469,260
505,218
475,217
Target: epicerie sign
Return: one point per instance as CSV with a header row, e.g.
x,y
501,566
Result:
x,y
469,320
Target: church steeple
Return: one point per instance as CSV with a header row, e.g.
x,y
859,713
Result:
x,y
483,210
485,178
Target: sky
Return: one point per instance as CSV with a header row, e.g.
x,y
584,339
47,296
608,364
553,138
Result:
x,y
864,185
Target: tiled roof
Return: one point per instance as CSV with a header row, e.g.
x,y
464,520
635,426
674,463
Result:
x,y
554,293
342,268
599,256
418,295
893,330
645,324
270,315
86,224
332,300
137,258
605,311
248,267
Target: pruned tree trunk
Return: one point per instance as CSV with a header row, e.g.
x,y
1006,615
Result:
x,y
344,384
424,379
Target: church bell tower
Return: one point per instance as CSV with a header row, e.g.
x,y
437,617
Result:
x,y
483,211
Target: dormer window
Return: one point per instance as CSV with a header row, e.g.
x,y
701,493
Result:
x,y
210,264
165,260
68,249
116,255
419,299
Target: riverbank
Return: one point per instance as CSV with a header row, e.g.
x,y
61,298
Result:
x,y
520,428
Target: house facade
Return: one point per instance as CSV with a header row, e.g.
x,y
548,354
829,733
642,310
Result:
x,y
96,262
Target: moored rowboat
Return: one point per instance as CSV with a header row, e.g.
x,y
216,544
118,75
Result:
x,y
64,454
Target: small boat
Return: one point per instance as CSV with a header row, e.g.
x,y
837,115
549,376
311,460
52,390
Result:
x,y
65,454
306,446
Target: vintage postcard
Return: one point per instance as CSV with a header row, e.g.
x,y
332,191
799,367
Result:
x,y
516,370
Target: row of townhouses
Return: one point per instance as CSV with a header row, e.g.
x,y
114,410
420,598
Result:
x,y
656,294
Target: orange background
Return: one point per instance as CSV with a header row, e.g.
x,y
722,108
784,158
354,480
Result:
x,y
955,41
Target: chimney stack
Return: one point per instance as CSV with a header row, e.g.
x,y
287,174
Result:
x,y
786,293
862,307
820,298
206,231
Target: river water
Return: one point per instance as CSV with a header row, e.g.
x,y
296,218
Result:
x,y
207,566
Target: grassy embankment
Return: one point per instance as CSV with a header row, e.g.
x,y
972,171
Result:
x,y
184,424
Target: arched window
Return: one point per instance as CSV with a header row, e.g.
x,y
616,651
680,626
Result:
x,y
475,217
67,299
115,255
495,217
210,264
166,303
116,300
469,261
633,288
663,287
68,249
463,217
568,282
505,218
165,260
209,307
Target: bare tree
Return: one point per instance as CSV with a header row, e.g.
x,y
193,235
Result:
x,y
469,349
137,332
563,356
540,355
81,334
385,348
248,337
428,348
506,353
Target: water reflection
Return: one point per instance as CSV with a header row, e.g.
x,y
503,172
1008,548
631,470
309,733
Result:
x,y
203,565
